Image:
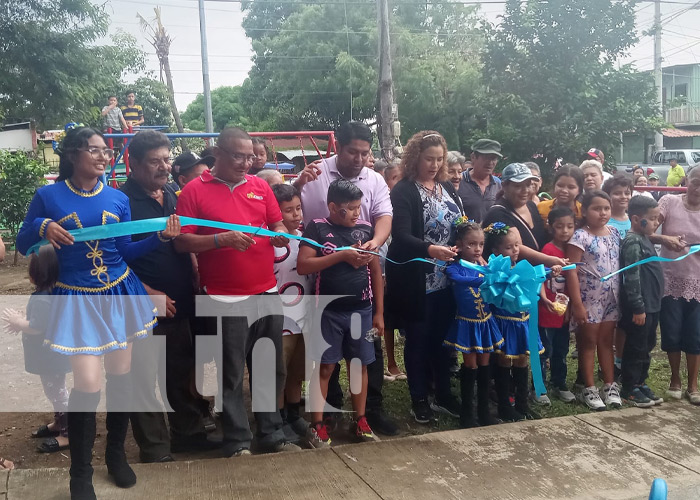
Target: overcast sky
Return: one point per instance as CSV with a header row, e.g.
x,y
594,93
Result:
x,y
230,50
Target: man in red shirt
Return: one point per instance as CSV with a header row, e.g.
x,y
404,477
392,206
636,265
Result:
x,y
236,269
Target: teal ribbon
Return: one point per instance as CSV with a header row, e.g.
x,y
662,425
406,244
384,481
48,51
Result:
x,y
158,224
693,249
516,289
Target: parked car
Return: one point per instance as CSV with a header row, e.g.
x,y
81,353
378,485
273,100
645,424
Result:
x,y
687,158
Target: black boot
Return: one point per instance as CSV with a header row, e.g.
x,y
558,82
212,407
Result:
x,y
118,396
81,439
505,411
466,385
483,379
521,380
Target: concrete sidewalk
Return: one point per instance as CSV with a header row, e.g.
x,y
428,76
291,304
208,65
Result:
x,y
609,455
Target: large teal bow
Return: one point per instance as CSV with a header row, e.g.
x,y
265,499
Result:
x,y
515,289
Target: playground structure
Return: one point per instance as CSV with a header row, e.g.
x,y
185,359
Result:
x,y
119,165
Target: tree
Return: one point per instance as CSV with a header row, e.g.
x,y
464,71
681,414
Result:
x,y
307,64
227,108
52,68
20,177
159,38
553,86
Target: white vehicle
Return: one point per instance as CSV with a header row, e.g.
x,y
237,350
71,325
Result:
x,y
687,158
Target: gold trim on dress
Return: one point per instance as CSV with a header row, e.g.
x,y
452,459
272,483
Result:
x,y
99,267
73,216
524,318
480,349
85,194
102,348
42,228
106,214
516,356
95,290
472,320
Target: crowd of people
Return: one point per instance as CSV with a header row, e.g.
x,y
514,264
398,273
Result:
x,y
386,243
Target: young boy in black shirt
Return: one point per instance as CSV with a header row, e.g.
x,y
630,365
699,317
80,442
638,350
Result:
x,y
640,301
358,277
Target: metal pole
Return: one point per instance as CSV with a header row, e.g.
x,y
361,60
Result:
x,y
386,110
658,77
208,120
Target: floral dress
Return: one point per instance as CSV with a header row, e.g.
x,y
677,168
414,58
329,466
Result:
x,y
601,256
439,213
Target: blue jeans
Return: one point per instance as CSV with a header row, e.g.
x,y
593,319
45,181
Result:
x,y
425,356
556,347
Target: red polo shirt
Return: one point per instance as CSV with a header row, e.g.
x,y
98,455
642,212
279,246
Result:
x,y
227,271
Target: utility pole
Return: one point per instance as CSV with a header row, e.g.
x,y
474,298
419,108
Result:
x,y
208,120
658,77
387,108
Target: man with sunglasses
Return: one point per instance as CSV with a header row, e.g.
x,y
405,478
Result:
x,y
236,274
166,274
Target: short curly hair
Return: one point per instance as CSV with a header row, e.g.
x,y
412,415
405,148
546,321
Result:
x,y
415,146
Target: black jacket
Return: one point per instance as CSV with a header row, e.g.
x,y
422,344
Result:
x,y
406,283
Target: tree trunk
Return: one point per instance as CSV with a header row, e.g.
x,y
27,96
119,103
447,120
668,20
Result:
x,y
171,95
14,262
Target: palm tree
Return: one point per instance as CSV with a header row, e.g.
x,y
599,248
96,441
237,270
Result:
x,y
159,38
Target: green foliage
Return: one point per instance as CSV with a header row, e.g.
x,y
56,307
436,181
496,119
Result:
x,y
307,65
553,86
20,176
227,109
152,95
52,70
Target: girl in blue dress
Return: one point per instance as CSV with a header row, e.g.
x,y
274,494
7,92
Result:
x,y
473,332
504,240
98,305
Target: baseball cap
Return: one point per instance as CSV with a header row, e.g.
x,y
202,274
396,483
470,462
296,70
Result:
x,y
187,161
487,147
596,154
517,172
653,177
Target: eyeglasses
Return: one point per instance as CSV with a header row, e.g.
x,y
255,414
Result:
x,y
155,162
98,153
239,158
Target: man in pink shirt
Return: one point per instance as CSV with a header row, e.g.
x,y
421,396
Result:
x,y
354,150
354,141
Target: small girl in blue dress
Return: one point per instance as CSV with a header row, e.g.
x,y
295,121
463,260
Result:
x,y
473,332
504,240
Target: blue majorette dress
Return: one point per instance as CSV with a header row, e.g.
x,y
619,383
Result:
x,y
98,303
473,329
514,328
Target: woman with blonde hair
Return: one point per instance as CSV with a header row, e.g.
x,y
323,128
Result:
x,y
425,210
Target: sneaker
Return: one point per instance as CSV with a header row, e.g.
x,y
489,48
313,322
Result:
x,y
381,423
675,393
611,395
646,390
591,398
317,436
563,394
450,407
542,399
363,432
636,397
284,447
422,412
332,420
241,452
299,426
228,452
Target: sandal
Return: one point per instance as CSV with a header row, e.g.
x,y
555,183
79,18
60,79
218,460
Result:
x,y
693,397
44,432
51,445
388,377
6,464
